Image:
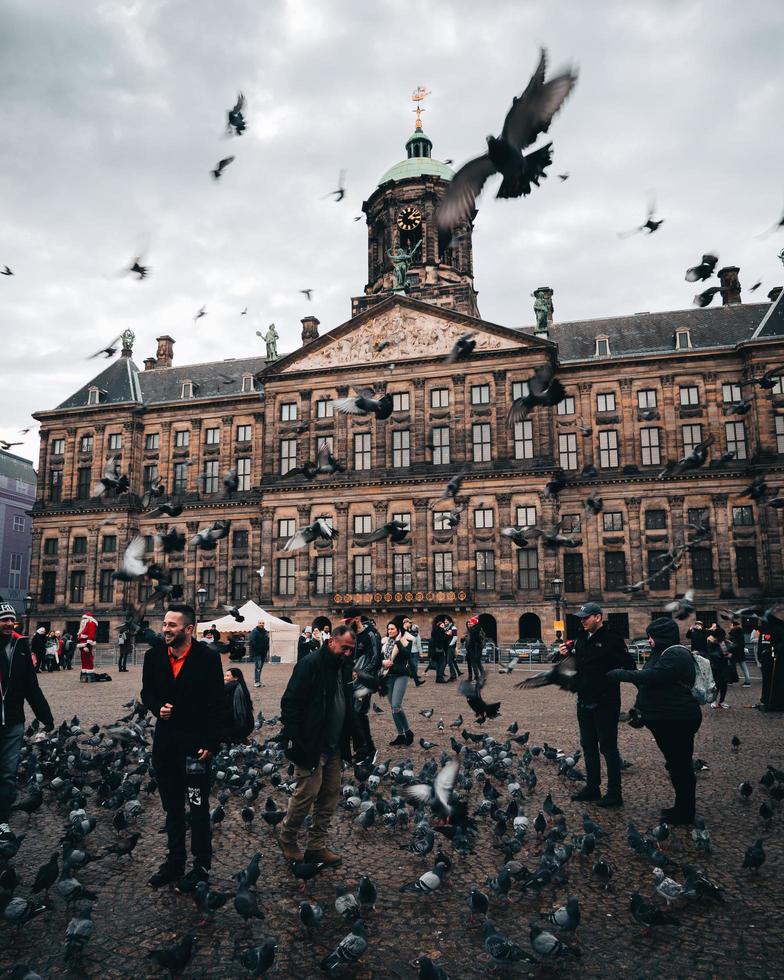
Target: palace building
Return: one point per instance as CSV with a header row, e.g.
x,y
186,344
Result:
x,y
642,389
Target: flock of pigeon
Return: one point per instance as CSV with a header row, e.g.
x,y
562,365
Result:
x,y
99,785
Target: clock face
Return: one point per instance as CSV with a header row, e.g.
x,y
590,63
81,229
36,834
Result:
x,y
409,218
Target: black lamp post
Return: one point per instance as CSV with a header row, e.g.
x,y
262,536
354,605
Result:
x,y
557,587
201,599
29,602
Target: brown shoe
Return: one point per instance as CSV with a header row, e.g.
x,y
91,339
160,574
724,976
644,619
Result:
x,y
324,855
291,852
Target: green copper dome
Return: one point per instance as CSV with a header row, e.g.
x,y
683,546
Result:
x,y
419,163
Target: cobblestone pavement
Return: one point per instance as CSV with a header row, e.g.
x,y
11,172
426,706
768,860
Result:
x,y
742,938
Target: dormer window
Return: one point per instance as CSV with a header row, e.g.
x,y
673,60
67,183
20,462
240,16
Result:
x,y
93,396
247,383
602,346
682,339
187,389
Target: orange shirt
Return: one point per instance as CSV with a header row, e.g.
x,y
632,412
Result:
x,y
177,662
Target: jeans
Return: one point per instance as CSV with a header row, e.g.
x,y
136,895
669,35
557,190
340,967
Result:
x,y
396,691
476,668
319,789
744,669
174,785
11,737
362,722
258,663
676,743
413,660
454,670
122,660
599,733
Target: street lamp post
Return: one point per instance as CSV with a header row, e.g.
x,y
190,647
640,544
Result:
x,y
557,586
29,602
201,599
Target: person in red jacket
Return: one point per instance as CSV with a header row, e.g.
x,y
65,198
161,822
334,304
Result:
x,y
85,644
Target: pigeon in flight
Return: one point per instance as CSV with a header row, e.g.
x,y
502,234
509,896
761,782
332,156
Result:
x,y
395,530
768,380
363,403
109,351
693,461
452,488
208,538
202,312
7,445
235,118
437,795
222,164
522,536
312,532
308,293
133,564
112,479
168,508
6,272
704,270
650,225
561,675
543,389
142,271
682,608
529,115
706,298
463,348
340,193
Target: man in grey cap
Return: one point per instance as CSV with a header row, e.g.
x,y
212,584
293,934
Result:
x,y
598,650
18,682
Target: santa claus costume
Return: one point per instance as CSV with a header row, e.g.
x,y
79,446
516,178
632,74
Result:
x,y
85,644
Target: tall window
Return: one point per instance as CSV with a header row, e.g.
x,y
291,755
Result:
x,y
401,401
779,434
247,384
79,545
608,449
401,572
15,571
702,568
439,398
646,398
520,389
288,455
109,544
325,408
655,520
287,569
152,441
77,587
178,582
682,339
566,407
526,516
746,566
212,435
480,394
48,586
83,481
239,583
567,450
613,520
243,472
58,447
689,396
149,475
481,442
483,517
731,392
605,401
692,436
401,452
778,385
105,585
736,438
602,347
442,570
239,539
180,484
182,438
524,439
485,571
51,546
362,451
19,522
244,433
614,570
328,441
363,580
571,523
86,443
323,574
187,389
363,524
527,569
288,412
286,527
403,517
56,485
743,516
441,454
440,520
115,441
658,581
211,476
573,572
650,446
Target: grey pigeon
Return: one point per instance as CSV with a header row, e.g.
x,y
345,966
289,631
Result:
x,y
348,951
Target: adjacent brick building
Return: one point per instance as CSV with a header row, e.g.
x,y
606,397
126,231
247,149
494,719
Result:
x,y
17,495
641,389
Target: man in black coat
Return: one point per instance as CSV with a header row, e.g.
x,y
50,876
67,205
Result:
x,y
258,644
182,685
317,711
17,684
367,662
598,650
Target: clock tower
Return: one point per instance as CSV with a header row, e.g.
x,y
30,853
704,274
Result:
x,y
404,252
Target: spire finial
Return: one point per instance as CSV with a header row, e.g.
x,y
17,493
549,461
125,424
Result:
x,y
419,93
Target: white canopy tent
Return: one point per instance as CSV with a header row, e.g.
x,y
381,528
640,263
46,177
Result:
x,y
283,635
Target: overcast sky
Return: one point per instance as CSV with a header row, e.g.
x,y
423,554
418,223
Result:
x,y
112,114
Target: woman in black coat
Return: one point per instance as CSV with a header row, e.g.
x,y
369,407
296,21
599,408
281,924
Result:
x,y
669,710
237,711
716,651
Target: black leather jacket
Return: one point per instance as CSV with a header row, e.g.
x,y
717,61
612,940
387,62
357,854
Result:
x,y
596,654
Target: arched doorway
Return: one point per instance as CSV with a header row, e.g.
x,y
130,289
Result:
x,y
573,626
488,624
529,627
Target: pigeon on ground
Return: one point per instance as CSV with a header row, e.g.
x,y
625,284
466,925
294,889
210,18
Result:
x,y
547,945
649,915
258,960
78,933
566,917
502,950
311,915
175,956
348,951
669,889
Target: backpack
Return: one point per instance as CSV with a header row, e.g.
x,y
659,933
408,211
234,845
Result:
x,y
704,689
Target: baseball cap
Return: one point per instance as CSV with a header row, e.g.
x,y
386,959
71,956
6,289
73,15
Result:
x,y
308,629
7,611
349,614
589,609
473,621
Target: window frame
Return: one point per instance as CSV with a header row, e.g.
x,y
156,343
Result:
x,y
212,476
182,438
436,396
612,521
244,432
605,402
289,412
152,441
615,571
609,454
484,569
362,573
647,392
443,570
528,569
286,577
650,454
478,392
567,448
401,401
363,457
689,396
212,435
483,515
442,449
287,458
114,441
401,448
523,435
481,450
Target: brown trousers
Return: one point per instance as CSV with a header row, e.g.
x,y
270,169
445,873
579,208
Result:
x,y
320,790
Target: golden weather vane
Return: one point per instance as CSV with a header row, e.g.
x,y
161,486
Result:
x,y
419,93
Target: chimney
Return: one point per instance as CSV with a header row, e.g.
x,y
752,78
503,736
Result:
x,y
150,364
165,354
543,310
730,285
310,325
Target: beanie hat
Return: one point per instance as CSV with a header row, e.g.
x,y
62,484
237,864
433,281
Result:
x,y
7,611
664,632
473,621
41,629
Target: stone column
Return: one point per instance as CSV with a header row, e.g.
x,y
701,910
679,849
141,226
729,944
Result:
x,y
723,544
679,579
636,557
462,432
165,453
419,426
190,568
301,595
670,427
70,464
90,569
587,449
264,555
421,538
628,452
260,467
381,552
504,549
503,438
340,573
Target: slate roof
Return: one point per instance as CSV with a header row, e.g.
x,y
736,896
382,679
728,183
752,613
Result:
x,y
211,379
117,383
17,468
773,322
722,326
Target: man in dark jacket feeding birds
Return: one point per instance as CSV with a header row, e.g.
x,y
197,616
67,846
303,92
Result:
x,y
598,650
182,685
317,711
